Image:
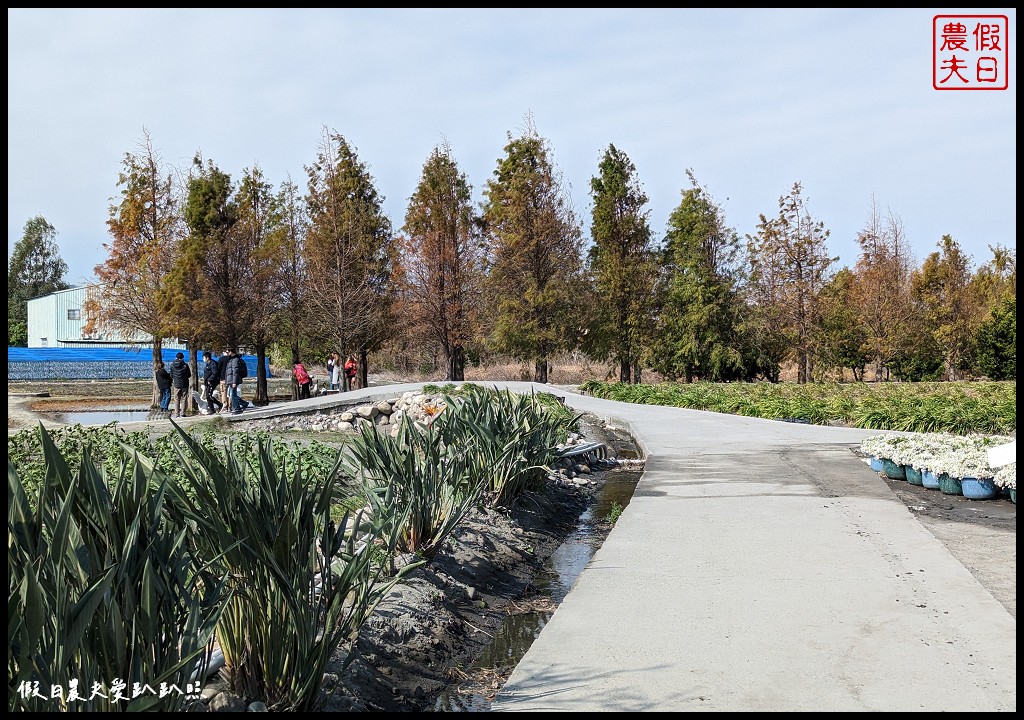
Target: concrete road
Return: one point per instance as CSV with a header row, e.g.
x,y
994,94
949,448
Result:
x,y
762,567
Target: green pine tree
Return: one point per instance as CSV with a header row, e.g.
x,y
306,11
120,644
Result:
x,y
699,335
350,252
622,266
535,254
35,268
442,262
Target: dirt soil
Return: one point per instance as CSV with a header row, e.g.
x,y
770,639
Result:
x,y
981,534
423,637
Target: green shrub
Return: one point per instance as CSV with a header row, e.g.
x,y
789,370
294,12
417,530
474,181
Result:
x,y
430,482
101,586
516,437
956,407
302,583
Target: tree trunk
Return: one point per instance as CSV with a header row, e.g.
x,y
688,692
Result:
x,y
623,370
262,398
636,374
158,354
540,370
295,359
193,366
363,374
457,364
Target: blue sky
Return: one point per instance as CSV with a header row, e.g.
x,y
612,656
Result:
x,y
840,100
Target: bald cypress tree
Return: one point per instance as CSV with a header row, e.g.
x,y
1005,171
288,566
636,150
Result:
x,y
942,287
789,268
146,228
535,254
218,306
261,233
442,262
350,251
622,265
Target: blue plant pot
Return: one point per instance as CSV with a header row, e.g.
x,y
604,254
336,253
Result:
x,y
877,464
930,480
893,471
1013,495
978,489
913,475
950,485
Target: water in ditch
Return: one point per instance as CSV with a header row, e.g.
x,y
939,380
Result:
x,y
519,630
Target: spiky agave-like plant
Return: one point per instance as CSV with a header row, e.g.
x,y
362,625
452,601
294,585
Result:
x,y
102,589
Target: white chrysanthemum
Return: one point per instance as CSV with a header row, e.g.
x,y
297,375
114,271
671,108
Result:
x,y
958,455
1006,476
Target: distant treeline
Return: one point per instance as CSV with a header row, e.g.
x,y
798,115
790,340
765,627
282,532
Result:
x,y
308,270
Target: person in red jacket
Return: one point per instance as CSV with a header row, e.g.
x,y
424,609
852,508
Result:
x,y
351,367
302,377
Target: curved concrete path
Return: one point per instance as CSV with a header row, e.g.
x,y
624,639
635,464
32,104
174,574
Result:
x,y
759,567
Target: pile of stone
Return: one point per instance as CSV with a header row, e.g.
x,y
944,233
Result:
x,y
577,470
387,414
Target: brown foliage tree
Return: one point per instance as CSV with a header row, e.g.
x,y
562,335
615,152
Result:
x,y
881,289
789,264
146,229
442,261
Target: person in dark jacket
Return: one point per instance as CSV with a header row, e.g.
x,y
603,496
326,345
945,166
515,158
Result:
x,y
211,379
163,384
181,373
235,373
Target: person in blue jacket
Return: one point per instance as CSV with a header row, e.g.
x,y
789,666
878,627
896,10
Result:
x,y
163,384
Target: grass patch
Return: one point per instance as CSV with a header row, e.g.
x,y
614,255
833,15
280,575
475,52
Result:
x,y
954,407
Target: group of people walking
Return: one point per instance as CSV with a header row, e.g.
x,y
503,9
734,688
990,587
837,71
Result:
x,y
175,379
340,375
222,378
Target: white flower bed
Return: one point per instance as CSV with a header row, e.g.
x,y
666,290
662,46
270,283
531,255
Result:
x,y
957,455
1006,476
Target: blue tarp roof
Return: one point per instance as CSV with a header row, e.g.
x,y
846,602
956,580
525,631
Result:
x,y
84,354
67,358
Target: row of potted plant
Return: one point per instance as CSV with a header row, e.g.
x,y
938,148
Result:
x,y
954,464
